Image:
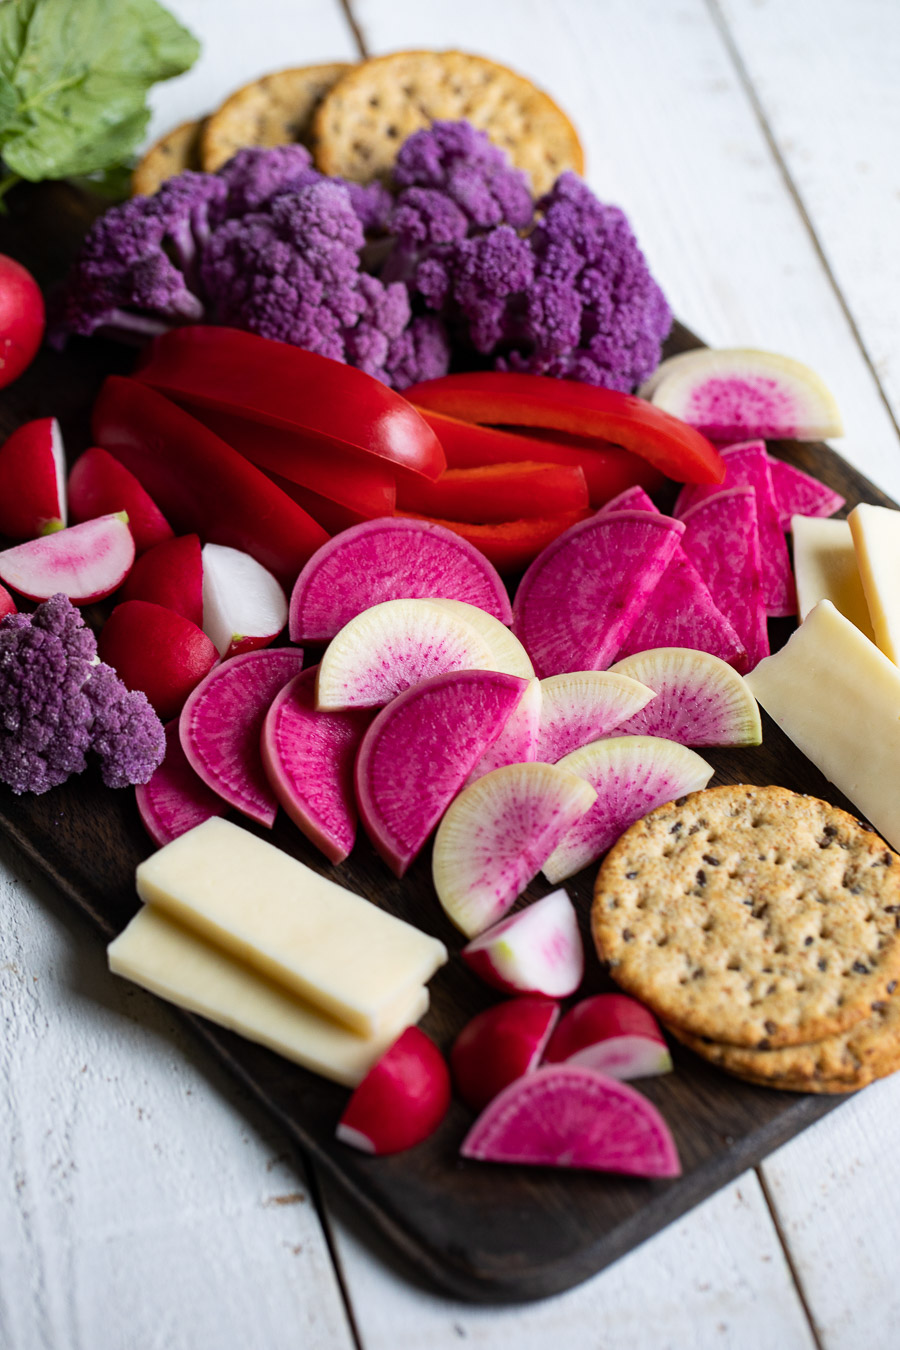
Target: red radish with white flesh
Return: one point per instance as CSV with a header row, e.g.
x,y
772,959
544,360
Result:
x,y
175,799
402,1099
578,599
33,481
722,541
158,651
244,606
221,726
799,494
7,603
86,562
699,699
537,950
613,1034
517,742
171,575
99,484
497,835
419,751
568,1116
393,646
389,559
21,319
308,756
632,775
499,1045
582,706
507,652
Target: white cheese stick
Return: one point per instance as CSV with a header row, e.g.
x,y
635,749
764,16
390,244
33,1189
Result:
x,y
343,954
876,538
157,953
825,569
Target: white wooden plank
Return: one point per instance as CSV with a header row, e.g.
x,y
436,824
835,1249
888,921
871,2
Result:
x,y
144,1201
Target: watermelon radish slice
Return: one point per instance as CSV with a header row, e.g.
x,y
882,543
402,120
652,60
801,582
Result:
x,y
537,950
578,599
392,646
499,1045
389,559
738,394
222,721
632,775
419,751
308,757
799,494
402,1099
497,835
613,1034
722,541
699,699
567,1116
518,741
85,562
175,799
584,706
507,651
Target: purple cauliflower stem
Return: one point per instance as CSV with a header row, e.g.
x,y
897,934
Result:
x,y
58,703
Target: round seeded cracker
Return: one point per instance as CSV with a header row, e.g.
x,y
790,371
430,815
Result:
x,y
751,916
178,150
275,110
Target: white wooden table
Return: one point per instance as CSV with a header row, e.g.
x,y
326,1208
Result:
x,y
144,1202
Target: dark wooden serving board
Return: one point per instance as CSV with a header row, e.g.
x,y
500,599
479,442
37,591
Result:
x,y
483,1232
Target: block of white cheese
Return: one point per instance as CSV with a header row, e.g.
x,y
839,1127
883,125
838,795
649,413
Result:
x,y
838,698
160,955
876,538
825,569
343,954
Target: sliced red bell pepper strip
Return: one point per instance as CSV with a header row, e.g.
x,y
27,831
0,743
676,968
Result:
x,y
332,516
511,544
285,386
496,492
509,399
608,469
200,484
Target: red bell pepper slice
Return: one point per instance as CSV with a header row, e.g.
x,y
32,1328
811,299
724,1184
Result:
x,y
284,386
509,399
511,544
493,493
332,516
200,484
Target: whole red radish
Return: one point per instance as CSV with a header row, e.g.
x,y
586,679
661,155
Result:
x,y
99,484
21,319
401,1101
33,480
499,1045
612,1033
7,603
158,651
170,574
85,562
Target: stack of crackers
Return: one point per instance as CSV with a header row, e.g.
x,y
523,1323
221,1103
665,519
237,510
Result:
x,y
763,930
354,118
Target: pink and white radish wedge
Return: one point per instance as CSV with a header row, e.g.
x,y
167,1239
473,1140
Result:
x,y
537,950
499,1045
244,607
699,699
612,1033
175,799
402,1099
33,480
584,706
86,562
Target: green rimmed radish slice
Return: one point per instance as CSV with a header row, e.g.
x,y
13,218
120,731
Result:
x,y
583,706
700,700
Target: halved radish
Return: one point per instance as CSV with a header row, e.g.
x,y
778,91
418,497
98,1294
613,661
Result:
x,y
33,480
700,700
499,1045
170,574
568,1116
584,705
85,562
496,836
175,799
402,1099
612,1033
221,725
7,603
244,607
537,950
99,484
156,650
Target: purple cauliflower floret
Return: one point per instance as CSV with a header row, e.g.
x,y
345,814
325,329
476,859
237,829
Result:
x,y
255,175
383,319
489,271
421,352
464,165
50,717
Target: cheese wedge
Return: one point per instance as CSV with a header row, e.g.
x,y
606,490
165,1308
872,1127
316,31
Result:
x,y
838,698
876,538
158,954
825,569
343,954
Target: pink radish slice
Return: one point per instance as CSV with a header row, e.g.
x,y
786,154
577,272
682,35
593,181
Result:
x,y
722,541
402,1099
632,775
175,799
613,1034
85,562
7,603
496,836
33,480
244,607
568,1116
583,706
308,757
699,699
799,494
222,721
499,1045
99,484
537,950
170,574
390,559
420,750
517,742
579,598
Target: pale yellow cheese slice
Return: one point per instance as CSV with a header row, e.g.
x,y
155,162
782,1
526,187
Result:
x,y
825,569
876,538
160,955
838,698
346,956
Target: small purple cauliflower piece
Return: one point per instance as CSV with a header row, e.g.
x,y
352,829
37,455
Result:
x,y
257,174
383,319
489,271
126,733
421,352
463,164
